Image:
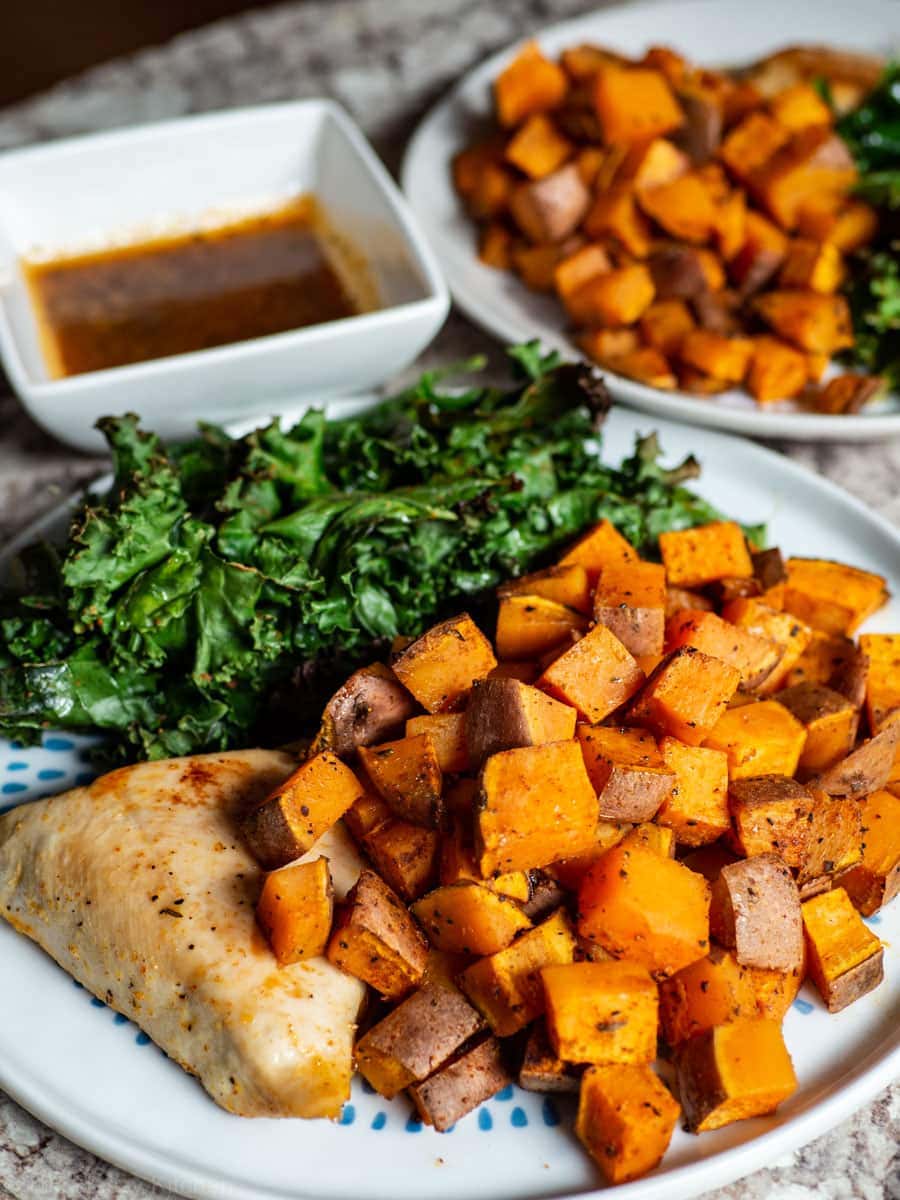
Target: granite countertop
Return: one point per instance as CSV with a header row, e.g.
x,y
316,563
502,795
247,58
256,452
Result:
x,y
385,63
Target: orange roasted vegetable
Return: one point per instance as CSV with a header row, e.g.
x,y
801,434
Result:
x,y
626,1116
377,940
537,147
440,667
627,771
722,357
845,958
530,84
630,600
616,298
777,371
448,737
601,1012
530,625
467,918
406,855
407,773
711,991
697,806
685,696
665,325
596,676
634,104
753,656
504,714
875,880
883,680
565,584
684,208
694,557
831,596
602,546
817,323
759,739
295,910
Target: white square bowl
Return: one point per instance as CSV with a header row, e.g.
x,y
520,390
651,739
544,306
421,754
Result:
x,y
88,191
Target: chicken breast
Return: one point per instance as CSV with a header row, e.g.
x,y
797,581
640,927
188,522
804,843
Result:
x,y
139,887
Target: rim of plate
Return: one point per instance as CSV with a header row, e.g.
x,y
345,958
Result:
x,y
419,181
860,1083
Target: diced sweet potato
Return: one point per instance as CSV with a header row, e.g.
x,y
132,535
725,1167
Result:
x,y
542,1070
830,719
549,209
849,225
677,272
755,909
614,214
678,598
492,193
649,164
777,371
370,707
461,1085
601,1012
565,584
763,251
577,268
665,324
845,958
849,393
377,940
711,991
607,345
732,1072
537,147
530,625
831,596
694,557
638,905
701,133
495,245
817,323
798,106
506,987
634,104
875,880
535,805
883,682
448,736
775,991
407,774
759,739
468,165
466,918
529,84
295,910
617,298
596,676
366,814
626,1117
866,769
406,855
834,843
644,365
785,629
504,714
416,1038
696,808
300,810
627,771
685,696
569,872
753,656
814,162
440,667
630,601
535,265
684,208
650,836
752,143
458,862
814,265
771,815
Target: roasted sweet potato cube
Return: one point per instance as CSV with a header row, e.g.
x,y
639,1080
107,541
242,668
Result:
x,y
535,265
849,226
566,584
530,625
800,105
830,720
832,596
448,737
458,1087
816,323
775,991
696,808
866,769
469,163
569,872
626,1117
504,714
535,805
759,738
755,909
614,215
495,245
777,371
506,987
650,836
817,266
813,163
577,268
645,365
440,667
606,345
603,546
844,957
531,83
366,814
849,393
300,810
416,1038
752,143
678,598
638,905
467,918
406,855
295,910
726,358
875,880
458,864
711,991
834,843
665,324
626,770
785,629
754,657
634,104
684,208
883,682
650,164
407,773
595,676
617,298
370,707
730,228
732,1072
771,814
695,557
763,252
685,696
601,1012
537,147
630,601
547,210
542,1070
377,940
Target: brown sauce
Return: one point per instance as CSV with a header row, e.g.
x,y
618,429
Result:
x,y
259,275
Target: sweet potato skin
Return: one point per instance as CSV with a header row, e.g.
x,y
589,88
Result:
x,y
461,1085
845,958
865,769
627,771
370,707
755,909
376,939
630,601
771,814
542,1070
504,714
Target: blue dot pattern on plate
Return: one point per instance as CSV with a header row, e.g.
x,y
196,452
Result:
x,y
485,1120
518,1118
33,772
348,1115
506,1093
379,1121
413,1125
803,1006
17,765
550,1112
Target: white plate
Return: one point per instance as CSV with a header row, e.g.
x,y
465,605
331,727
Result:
x,y
708,31
91,1075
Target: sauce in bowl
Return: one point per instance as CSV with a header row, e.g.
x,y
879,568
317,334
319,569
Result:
x,y
262,274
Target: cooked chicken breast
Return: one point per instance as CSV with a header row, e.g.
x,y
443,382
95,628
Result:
x,y
140,889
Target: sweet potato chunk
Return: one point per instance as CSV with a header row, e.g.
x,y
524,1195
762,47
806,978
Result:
x,y
547,210
365,814
684,208
542,1070
461,1085
617,298
530,625
849,393
832,596
537,147
506,987
777,371
566,584
816,266
848,226
753,656
798,106
408,775
830,720
651,836
601,1012
448,737
883,682
602,546
784,629
726,358
634,104
377,940
645,365
866,769
758,259
300,810
834,843
732,1072
416,1038
596,676
405,854
875,880
711,991
685,696
775,991
504,714
650,164
529,84
569,872
370,707
815,162
535,805
665,324
752,143
295,910
626,770
440,667
845,958
695,557
638,905
630,601
755,909
577,268
696,808
495,244
615,215
759,739
771,815
466,918
458,860
816,323
626,1117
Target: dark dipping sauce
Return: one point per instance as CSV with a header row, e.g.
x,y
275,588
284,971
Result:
x,y
260,275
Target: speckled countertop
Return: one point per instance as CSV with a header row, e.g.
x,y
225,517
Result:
x,y
385,60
